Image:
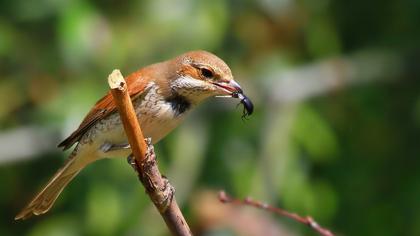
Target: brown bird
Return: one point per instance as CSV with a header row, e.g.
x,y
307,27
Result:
x,y
162,94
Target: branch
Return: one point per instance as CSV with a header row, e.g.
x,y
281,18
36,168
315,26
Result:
x,y
159,190
309,221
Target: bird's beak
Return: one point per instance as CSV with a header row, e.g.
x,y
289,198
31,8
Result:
x,y
228,88
234,90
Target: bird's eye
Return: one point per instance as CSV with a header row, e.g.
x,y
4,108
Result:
x,y
206,73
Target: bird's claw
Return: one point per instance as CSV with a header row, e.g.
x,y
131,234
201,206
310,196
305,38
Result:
x,y
132,161
150,155
108,147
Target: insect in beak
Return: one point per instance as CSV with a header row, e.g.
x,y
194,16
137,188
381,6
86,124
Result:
x,y
246,102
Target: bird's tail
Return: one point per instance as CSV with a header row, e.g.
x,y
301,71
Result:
x,y
44,200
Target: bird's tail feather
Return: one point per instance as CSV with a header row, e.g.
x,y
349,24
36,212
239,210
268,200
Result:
x,y
44,200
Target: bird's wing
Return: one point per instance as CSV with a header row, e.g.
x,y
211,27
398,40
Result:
x,y
136,84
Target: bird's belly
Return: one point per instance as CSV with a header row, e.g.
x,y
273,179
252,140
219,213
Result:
x,y
156,122
159,125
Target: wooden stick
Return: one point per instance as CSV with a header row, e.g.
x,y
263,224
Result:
x,y
159,190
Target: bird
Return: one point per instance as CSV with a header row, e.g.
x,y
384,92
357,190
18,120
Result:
x,y
162,95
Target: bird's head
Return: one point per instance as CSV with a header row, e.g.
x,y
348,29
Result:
x,y
201,74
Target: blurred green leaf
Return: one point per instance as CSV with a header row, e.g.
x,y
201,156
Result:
x,y
83,34
313,133
104,210
322,39
57,226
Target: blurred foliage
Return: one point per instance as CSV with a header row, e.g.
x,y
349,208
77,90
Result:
x,y
349,157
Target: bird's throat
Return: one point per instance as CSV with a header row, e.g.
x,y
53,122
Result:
x,y
179,104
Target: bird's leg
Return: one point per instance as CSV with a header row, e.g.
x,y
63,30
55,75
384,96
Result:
x,y
109,147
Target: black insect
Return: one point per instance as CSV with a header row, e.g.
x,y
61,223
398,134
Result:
x,y
248,106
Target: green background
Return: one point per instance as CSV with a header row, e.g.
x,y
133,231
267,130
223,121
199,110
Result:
x,y
335,133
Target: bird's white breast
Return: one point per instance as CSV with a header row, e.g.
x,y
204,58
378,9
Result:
x,y
156,114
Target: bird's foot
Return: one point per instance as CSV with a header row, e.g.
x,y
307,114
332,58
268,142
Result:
x,y
132,161
109,147
150,155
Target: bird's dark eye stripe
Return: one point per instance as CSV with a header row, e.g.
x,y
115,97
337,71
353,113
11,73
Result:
x,y
206,73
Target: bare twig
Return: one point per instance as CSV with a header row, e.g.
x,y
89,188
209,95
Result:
x,y
159,190
309,221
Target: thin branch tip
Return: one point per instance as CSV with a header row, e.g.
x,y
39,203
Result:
x,y
308,220
224,197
